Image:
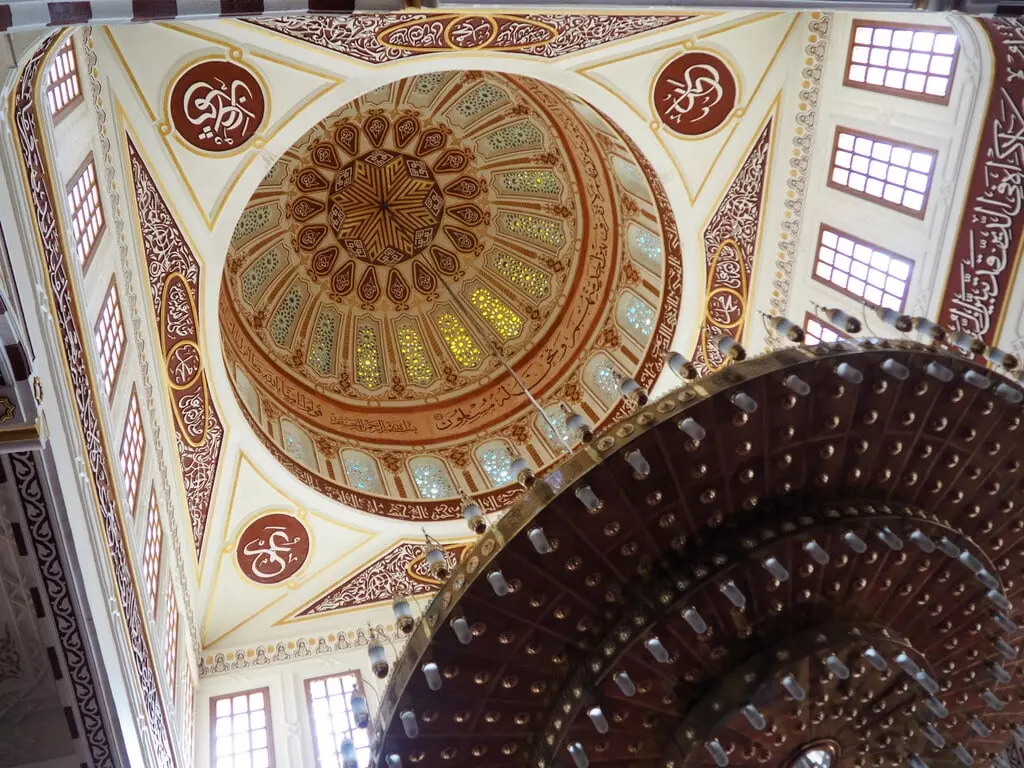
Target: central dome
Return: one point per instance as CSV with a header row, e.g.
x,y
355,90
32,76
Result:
x,y
385,207
419,257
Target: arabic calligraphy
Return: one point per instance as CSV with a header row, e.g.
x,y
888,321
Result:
x,y
217,106
694,93
988,244
272,548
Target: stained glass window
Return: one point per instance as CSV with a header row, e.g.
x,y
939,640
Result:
x,y
555,417
905,60
637,314
495,311
287,312
631,177
645,246
536,228
321,349
431,479
479,100
883,171
256,276
516,136
463,348
241,730
861,270
110,338
330,703
414,356
361,471
604,377
251,221
368,367
532,183
496,461
526,277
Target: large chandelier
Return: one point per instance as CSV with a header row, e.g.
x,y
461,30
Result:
x,y
807,559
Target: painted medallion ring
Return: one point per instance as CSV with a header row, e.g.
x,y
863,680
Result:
x,y
272,548
217,105
695,93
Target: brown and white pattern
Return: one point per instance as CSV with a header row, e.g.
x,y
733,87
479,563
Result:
x,y
987,247
219,662
29,130
803,143
380,38
174,275
730,245
401,571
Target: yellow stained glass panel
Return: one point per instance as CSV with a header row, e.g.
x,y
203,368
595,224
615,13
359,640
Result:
x,y
464,349
527,278
368,372
414,356
496,312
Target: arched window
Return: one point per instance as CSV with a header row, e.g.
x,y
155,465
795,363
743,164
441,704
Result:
x,y
431,478
495,459
361,471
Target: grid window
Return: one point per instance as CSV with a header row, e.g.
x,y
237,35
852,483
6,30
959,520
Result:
x,y
330,707
189,715
151,551
86,212
63,88
817,331
862,270
241,730
171,651
110,337
913,61
896,175
133,445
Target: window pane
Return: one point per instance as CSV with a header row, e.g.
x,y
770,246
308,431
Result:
x,y
242,737
891,52
63,88
863,271
330,700
897,175
86,213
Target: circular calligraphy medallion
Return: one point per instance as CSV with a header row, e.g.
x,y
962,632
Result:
x,y
695,93
272,548
217,105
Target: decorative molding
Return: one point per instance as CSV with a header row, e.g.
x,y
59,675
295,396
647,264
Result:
x,y
402,570
132,303
55,578
304,647
730,246
385,37
803,143
29,131
987,248
174,280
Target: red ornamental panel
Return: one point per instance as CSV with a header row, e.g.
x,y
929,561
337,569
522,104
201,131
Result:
x,y
217,105
272,548
991,228
695,93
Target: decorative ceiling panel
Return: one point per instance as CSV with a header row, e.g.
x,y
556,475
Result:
x,y
380,38
174,279
421,255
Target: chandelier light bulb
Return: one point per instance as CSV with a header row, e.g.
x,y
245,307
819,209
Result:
x,y
409,724
695,620
795,384
895,369
793,688
692,429
539,540
817,553
657,650
775,568
433,675
939,372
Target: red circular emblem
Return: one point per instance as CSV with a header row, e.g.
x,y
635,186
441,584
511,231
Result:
x,y
217,105
694,93
272,548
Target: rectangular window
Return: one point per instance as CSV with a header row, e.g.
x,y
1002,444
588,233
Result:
x,y
241,730
86,212
818,331
151,551
330,710
133,446
171,651
110,337
862,270
893,174
904,59
189,716
63,88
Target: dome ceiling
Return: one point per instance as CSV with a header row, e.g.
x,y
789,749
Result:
x,y
411,250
